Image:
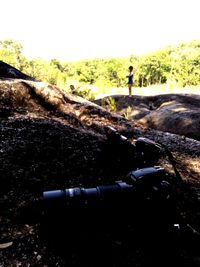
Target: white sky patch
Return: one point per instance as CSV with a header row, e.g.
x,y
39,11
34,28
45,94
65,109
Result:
x,y
77,29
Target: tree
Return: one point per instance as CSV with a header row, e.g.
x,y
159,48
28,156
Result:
x,y
11,53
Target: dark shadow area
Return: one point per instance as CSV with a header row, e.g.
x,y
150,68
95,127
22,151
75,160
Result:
x,y
120,232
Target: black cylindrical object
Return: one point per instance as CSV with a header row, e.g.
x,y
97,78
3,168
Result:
x,y
100,193
137,182
144,196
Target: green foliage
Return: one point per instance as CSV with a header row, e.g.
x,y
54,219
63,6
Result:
x,y
109,103
87,94
154,68
174,66
11,53
127,113
186,64
84,91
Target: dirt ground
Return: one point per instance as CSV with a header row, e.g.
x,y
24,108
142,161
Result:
x,y
50,140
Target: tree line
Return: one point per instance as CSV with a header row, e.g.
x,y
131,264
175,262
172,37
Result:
x,y
176,65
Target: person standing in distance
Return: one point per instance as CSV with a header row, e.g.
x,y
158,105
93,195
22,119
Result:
x,y
130,80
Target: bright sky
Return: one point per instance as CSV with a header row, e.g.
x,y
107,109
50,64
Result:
x,y
77,29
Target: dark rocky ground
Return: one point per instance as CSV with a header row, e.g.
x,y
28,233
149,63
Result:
x,y
174,113
51,140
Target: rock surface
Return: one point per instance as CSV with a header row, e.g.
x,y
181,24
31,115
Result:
x,y
51,140
174,113
7,71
